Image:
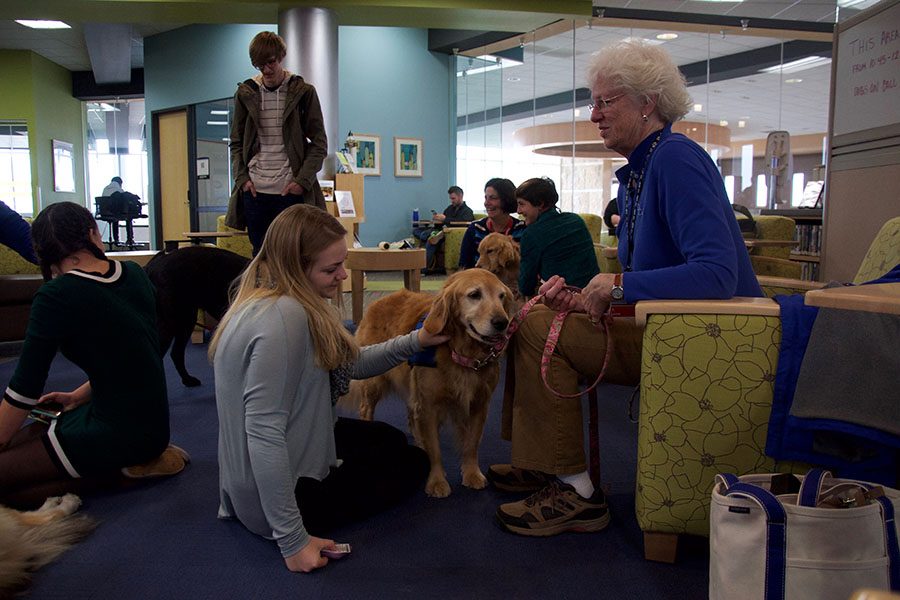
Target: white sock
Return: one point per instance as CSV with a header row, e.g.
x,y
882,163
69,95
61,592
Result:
x,y
581,482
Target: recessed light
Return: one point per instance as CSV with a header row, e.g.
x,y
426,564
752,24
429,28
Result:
x,y
742,123
793,80
513,79
723,123
577,112
667,36
218,112
217,122
43,24
698,107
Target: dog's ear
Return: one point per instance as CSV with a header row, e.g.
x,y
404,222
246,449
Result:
x,y
441,310
509,302
509,255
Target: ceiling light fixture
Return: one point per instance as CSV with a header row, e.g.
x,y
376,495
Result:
x,y
217,122
513,79
742,123
218,112
698,108
723,123
801,64
43,24
793,80
666,36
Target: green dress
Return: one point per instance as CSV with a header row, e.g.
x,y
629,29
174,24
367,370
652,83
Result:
x,y
106,325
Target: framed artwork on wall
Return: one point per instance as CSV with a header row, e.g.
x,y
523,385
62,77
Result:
x,y
63,166
407,157
367,154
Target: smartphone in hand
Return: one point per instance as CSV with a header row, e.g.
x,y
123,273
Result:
x,y
47,410
338,551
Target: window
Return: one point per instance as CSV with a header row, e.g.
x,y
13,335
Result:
x,y
15,168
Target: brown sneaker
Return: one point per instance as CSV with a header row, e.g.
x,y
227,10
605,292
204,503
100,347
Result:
x,y
171,462
554,509
511,479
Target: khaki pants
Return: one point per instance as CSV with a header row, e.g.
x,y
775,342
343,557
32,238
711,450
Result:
x,y
547,431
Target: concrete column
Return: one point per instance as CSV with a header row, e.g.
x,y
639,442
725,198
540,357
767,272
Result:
x,y
311,35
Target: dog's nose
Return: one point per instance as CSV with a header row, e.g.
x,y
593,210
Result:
x,y
500,323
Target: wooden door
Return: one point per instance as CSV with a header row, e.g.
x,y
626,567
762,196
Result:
x,y
173,175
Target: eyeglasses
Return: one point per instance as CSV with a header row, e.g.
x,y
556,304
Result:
x,y
269,63
601,103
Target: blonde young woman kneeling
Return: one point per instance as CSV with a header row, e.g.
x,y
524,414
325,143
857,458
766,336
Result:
x,y
288,469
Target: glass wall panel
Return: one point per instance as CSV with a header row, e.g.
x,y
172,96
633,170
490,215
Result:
x,y
213,124
744,85
117,147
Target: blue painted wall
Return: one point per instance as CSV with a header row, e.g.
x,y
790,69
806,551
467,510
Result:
x,y
390,85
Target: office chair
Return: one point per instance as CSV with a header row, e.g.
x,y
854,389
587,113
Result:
x,y
115,208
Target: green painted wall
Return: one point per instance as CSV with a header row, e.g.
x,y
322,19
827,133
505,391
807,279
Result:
x,y
39,92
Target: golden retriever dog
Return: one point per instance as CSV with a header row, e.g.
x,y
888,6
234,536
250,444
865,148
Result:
x,y
474,309
499,254
30,540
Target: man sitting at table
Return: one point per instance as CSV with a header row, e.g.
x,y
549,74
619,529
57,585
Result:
x,y
433,235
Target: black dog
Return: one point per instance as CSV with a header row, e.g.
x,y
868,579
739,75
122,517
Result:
x,y
188,280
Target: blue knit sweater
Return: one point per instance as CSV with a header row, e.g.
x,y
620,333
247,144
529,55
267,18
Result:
x,y
686,240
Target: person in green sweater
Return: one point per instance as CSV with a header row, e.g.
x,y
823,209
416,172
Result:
x,y
554,242
120,416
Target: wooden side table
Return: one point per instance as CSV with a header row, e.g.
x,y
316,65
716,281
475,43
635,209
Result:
x,y
360,260
876,297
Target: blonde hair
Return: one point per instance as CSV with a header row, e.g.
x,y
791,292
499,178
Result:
x,y
292,244
645,71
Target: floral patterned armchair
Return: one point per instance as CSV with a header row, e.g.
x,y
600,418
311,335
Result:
x,y
707,380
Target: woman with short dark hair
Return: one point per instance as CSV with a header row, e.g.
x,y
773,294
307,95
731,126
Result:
x,y
499,203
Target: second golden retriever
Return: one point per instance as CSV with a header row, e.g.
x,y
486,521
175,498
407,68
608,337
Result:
x,y
500,255
474,309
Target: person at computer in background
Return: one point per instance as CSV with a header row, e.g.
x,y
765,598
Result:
x,y
456,211
555,242
115,185
15,232
678,239
499,203
278,142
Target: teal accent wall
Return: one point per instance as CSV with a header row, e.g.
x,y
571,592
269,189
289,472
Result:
x,y
390,85
39,92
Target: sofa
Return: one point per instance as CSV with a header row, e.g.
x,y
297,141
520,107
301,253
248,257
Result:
x,y
19,280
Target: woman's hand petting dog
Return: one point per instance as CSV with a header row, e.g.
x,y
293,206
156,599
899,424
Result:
x,y
428,339
309,558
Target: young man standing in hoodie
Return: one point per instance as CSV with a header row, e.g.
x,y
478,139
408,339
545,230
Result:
x,y
277,144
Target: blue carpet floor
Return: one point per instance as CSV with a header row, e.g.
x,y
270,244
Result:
x,y
161,539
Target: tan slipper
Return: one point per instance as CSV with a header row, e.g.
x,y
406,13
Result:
x,y
171,462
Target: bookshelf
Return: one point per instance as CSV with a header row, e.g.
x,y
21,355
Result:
x,y
808,235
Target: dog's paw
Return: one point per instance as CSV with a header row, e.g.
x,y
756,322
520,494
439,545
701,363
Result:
x,y
69,503
190,381
474,479
437,488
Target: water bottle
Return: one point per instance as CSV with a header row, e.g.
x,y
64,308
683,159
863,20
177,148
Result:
x,y
415,215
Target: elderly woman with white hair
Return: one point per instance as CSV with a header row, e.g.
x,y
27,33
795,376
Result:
x,y
678,238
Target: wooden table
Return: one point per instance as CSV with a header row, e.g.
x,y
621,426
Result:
x,y
360,260
878,298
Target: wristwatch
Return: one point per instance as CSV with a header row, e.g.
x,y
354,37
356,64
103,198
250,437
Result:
x,y
617,294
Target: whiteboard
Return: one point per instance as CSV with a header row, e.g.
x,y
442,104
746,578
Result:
x,y
867,74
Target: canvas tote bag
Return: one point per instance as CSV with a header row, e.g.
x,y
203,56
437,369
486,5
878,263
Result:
x,y
825,540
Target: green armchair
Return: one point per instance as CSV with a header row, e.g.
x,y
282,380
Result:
x,y
239,244
707,381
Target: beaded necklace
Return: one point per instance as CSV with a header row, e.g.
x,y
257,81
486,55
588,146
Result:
x,y
633,195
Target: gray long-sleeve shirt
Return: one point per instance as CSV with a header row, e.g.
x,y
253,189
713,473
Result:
x,y
276,419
